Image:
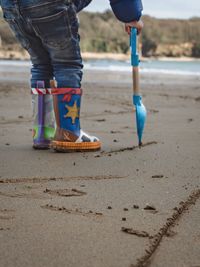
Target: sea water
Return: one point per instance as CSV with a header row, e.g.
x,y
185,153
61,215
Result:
x,y
147,66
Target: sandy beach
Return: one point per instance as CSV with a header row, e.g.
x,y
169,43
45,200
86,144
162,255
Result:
x,y
120,207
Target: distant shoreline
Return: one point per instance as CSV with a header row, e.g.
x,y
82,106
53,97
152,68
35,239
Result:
x,y
23,55
113,56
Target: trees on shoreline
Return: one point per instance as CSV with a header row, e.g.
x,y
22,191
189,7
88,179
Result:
x,y
101,32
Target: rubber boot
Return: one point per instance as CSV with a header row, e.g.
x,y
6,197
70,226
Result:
x,y
69,137
44,118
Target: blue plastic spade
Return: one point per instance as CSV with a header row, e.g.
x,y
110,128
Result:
x,y
141,112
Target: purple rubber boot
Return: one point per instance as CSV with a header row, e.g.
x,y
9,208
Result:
x,y
44,119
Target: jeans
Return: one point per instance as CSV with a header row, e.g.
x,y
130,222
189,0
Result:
x,y
48,30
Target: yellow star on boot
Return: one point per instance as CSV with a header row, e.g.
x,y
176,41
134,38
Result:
x,y
73,112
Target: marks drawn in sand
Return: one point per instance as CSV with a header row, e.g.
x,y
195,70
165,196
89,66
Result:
x,y
44,195
6,217
183,97
156,240
6,214
4,229
65,192
128,148
51,179
73,212
138,233
30,195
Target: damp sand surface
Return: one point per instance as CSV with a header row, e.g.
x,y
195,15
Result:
x,y
122,206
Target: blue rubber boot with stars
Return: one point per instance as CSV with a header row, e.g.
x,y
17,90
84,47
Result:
x,y
69,137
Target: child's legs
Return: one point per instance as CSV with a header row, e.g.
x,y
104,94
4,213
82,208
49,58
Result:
x,y
51,29
49,32
42,69
58,32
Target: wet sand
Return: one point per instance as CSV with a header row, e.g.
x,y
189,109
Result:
x,y
74,209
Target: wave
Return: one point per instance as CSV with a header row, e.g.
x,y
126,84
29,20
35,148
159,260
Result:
x,y
171,72
118,68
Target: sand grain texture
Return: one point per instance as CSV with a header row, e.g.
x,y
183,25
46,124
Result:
x,y
72,208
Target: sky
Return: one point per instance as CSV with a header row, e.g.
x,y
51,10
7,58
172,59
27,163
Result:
x,y
158,8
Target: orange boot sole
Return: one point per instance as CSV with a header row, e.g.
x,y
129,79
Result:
x,y
75,147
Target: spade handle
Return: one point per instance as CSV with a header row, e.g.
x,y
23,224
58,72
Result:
x,y
135,61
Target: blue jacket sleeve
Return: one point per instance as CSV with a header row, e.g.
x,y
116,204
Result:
x,y
127,10
81,4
